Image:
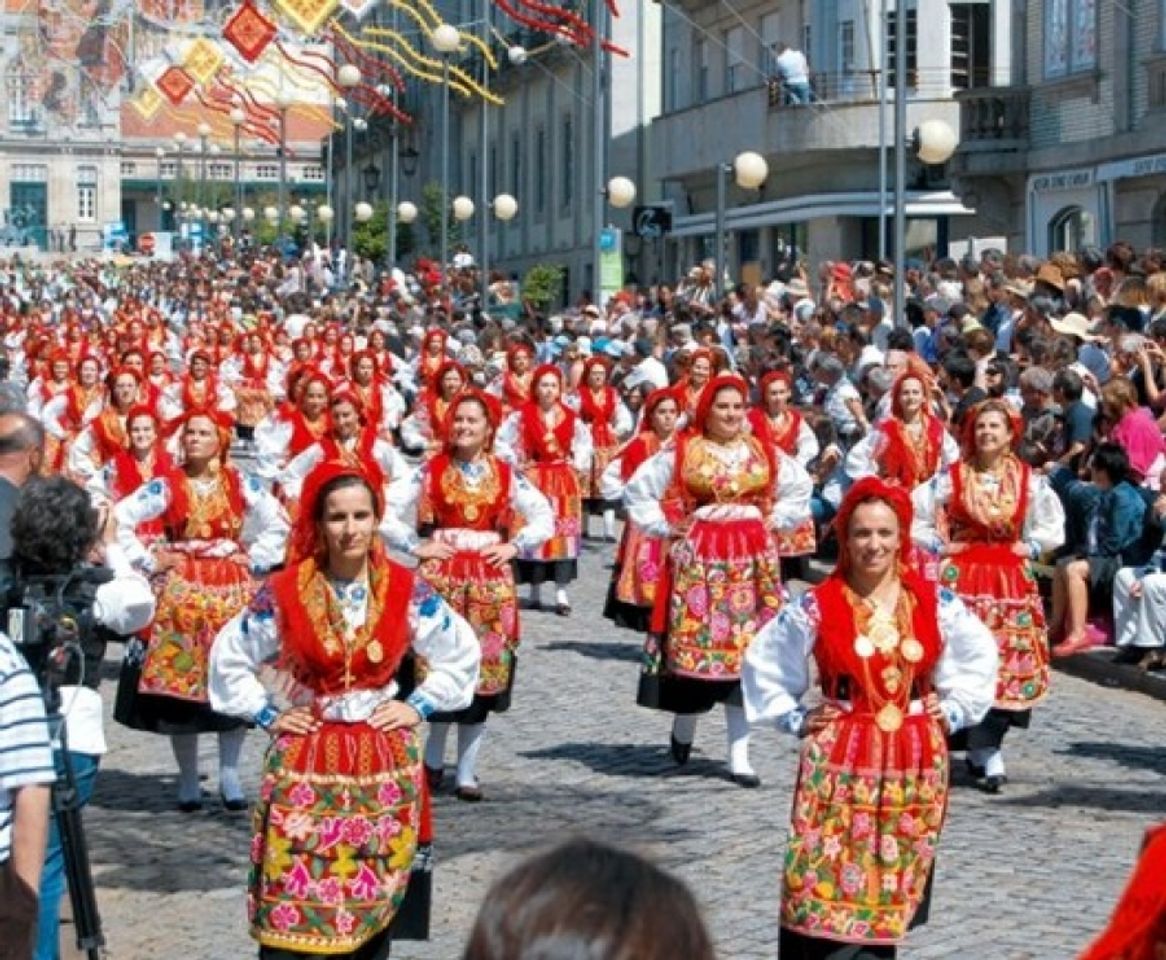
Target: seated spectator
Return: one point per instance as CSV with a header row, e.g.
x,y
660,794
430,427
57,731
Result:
x,y
1134,428
1139,600
1042,424
957,376
1083,580
587,900
1076,418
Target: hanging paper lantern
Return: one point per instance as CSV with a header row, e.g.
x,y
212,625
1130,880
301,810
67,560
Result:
x,y
307,15
174,84
249,31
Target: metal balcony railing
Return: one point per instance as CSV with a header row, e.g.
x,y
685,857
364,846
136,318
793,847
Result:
x,y
994,117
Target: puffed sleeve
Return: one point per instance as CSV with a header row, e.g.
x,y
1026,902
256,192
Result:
x,y
125,605
623,420
611,485
225,396
272,437
507,444
807,445
265,527
450,649
415,431
776,671
394,405
581,447
246,643
792,494
291,478
645,491
1044,525
950,452
146,503
79,460
861,461
398,525
529,502
927,500
51,416
965,677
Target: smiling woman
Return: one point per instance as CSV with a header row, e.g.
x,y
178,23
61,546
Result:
x,y
901,664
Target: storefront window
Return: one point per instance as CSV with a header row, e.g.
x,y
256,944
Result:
x,y
1071,229
1070,40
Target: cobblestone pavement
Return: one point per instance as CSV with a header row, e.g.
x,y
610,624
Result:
x,y
1028,875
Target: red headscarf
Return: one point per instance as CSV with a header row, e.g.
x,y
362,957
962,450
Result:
x,y
651,402
224,425
304,542
775,376
491,404
722,381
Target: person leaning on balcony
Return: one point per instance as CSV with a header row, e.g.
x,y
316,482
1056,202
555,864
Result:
x,y
794,70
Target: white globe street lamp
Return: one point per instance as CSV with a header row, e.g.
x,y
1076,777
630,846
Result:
x,y
406,212
270,214
517,55
348,76
445,39
935,141
363,212
505,207
325,213
248,214
463,208
296,212
621,192
750,170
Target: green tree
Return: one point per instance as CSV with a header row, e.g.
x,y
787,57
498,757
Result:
x,y
431,217
542,287
371,238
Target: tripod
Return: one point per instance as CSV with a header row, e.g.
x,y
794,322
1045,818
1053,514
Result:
x,y
71,831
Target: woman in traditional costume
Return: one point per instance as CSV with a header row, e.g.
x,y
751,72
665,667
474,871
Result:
x,y
600,407
342,817
256,378
128,470
902,663
301,423
51,382
691,387
221,530
1000,515
640,558
107,434
70,412
200,389
513,386
775,422
429,364
425,428
552,447
722,579
381,402
476,513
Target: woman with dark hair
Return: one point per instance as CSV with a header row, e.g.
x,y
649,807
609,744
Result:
x,y
300,423
382,403
220,529
1000,515
70,412
722,580
468,503
425,428
901,663
640,558
690,388
106,434
584,899
342,808
599,406
552,447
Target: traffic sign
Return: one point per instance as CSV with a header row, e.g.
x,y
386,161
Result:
x,y
651,222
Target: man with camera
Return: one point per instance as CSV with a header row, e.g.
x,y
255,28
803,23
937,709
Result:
x,y
67,587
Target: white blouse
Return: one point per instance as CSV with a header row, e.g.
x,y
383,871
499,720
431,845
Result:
x,y
524,498
792,488
508,444
251,641
265,525
1044,524
392,464
776,672
863,458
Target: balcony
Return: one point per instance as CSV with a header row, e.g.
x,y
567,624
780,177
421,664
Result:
x,y
689,143
993,119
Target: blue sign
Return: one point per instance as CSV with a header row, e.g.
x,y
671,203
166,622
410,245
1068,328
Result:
x,y
608,239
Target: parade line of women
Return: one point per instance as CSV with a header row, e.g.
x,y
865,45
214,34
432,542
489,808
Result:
x,y
278,607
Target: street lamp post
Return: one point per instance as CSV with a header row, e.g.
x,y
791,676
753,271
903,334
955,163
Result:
x,y
599,137
446,40
283,101
159,153
238,118
347,77
483,172
749,169
204,132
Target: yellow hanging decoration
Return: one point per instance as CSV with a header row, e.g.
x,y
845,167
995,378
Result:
x,y
307,15
426,68
203,59
147,103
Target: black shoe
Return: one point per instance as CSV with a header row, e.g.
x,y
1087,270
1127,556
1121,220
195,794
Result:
x,y
189,806
563,609
1130,656
470,794
680,751
749,781
975,771
233,804
434,777
993,783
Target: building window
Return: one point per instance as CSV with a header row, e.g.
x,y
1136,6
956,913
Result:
x,y
700,71
568,147
1071,229
734,59
169,168
128,168
22,111
220,171
1070,37
807,39
267,171
312,173
86,194
846,47
971,43
515,165
540,170
673,96
770,41
32,172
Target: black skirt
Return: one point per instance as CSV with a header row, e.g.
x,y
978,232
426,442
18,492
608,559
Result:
x,y
626,615
481,706
686,694
545,571
168,716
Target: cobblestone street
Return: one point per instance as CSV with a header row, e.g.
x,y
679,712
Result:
x,y
1027,875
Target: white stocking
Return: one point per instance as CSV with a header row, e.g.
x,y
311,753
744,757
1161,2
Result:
x,y
738,731
684,727
561,597
435,746
185,746
609,524
230,749
469,742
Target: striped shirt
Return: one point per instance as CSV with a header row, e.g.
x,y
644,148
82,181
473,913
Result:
x,y
25,755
